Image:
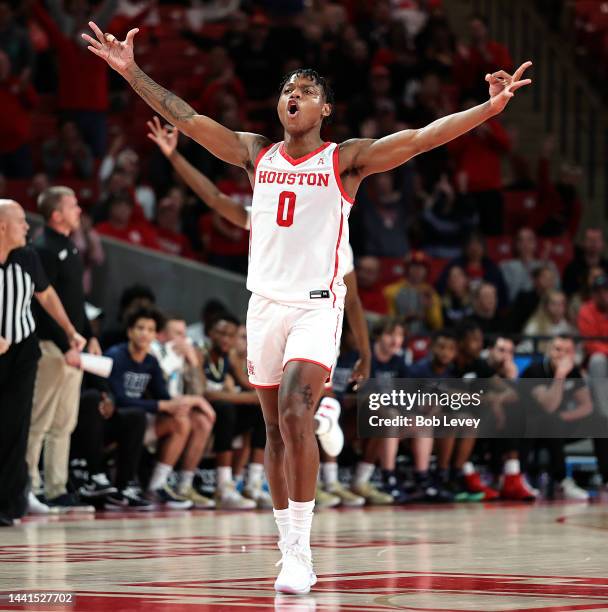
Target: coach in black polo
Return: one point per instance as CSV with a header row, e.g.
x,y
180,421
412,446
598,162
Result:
x,y
59,377
21,277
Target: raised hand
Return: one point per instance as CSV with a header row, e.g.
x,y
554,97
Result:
x,y
164,136
503,86
118,54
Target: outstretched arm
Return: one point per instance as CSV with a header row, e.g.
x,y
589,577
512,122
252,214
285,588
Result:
x,y
362,157
238,148
227,207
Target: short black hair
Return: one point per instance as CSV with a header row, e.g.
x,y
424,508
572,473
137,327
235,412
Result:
x,y
145,312
502,337
448,334
223,316
466,327
135,292
314,76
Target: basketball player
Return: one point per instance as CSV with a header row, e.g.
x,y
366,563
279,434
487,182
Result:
x,y
303,192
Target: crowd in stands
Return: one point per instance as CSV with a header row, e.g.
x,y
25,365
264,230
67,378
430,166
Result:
x,y
464,256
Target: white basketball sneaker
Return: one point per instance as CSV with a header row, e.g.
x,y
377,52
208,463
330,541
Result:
x,y
297,575
328,429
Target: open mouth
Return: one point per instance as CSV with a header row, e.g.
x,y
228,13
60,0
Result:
x,y
292,108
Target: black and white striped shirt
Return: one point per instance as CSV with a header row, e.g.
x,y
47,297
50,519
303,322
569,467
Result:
x,y
20,276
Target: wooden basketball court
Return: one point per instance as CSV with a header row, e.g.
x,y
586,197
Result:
x,y
462,558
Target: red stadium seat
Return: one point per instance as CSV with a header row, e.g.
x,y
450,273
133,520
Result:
x,y
437,265
391,269
562,250
499,248
520,209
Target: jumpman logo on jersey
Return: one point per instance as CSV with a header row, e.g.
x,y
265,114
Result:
x,y
321,162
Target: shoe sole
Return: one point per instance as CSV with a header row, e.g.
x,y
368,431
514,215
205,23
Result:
x,y
128,509
279,588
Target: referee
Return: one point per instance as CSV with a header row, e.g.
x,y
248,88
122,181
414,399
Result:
x,y
21,277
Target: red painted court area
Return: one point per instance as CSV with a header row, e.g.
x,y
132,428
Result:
x,y
466,558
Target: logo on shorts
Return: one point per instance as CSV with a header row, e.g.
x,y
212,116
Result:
x,y
319,294
250,368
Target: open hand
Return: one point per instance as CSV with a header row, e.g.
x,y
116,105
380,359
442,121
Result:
x,y
118,54
503,86
164,136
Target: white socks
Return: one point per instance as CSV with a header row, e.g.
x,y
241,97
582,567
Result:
x,y
186,478
281,518
223,476
329,472
255,475
363,472
300,522
512,467
160,475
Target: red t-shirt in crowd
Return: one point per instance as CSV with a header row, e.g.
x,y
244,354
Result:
x,y
479,156
217,243
593,322
139,234
83,77
15,118
173,243
373,300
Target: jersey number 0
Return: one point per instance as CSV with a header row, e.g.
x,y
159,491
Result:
x,y
286,208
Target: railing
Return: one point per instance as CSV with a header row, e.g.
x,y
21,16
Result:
x,y
566,103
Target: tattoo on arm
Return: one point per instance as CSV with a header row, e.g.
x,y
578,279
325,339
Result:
x,y
172,107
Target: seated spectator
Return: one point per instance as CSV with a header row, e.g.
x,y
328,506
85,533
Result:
x,y
387,363
561,409
549,319
127,161
100,423
179,424
168,228
478,267
439,364
181,366
485,310
593,322
413,299
67,156
383,214
456,471
132,298
517,272
456,300
506,452
237,411
589,255
446,218
526,302
370,291
478,164
211,310
583,295
17,99
122,225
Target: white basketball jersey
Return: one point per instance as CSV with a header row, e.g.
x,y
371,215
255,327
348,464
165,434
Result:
x,y
299,228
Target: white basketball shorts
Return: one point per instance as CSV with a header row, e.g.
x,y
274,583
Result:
x,y
277,334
